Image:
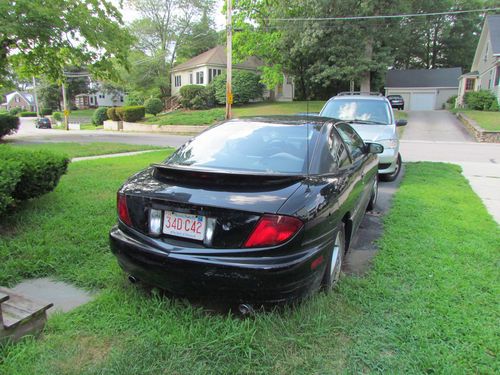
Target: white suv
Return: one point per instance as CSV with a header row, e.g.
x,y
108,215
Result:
x,y
372,117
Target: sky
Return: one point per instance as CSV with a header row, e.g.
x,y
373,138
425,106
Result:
x,y
129,14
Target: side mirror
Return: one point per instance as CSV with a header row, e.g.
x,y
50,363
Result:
x,y
401,122
375,148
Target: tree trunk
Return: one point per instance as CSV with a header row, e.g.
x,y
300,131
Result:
x,y
366,76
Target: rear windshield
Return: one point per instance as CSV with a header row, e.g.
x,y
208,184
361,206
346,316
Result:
x,y
366,110
248,146
394,97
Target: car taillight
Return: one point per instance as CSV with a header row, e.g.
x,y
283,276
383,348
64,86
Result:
x,y
121,204
271,230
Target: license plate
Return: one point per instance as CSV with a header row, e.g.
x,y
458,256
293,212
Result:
x,y
184,225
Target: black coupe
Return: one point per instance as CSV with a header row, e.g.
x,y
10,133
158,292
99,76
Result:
x,y
251,211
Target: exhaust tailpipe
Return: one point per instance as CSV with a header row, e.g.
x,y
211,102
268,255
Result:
x,y
246,309
132,279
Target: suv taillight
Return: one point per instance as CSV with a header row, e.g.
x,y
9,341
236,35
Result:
x,y
121,205
272,230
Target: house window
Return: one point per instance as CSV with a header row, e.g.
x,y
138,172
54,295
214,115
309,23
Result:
x,y
17,99
469,84
190,78
199,78
288,80
121,98
91,100
486,52
212,73
177,81
497,79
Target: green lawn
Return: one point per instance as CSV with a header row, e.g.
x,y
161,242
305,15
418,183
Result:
x,y
429,304
486,120
278,108
74,149
82,112
201,117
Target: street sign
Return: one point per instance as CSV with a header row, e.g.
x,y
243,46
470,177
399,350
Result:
x,y
230,98
66,112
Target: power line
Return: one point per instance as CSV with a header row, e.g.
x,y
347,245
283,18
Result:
x,y
353,18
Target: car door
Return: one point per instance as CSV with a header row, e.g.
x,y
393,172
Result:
x,y
358,155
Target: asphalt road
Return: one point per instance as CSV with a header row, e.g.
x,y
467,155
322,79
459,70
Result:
x,y
29,134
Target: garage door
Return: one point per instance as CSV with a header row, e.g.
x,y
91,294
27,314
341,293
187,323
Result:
x,y
423,101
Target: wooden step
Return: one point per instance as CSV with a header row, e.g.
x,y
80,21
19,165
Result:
x,y
3,297
21,316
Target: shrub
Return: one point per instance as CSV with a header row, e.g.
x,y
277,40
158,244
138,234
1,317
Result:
x,y
153,106
58,116
10,174
246,86
451,100
131,113
134,98
46,112
40,171
479,100
99,116
197,96
111,113
494,106
8,124
27,114
15,111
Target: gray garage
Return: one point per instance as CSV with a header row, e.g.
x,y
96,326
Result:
x,y
423,89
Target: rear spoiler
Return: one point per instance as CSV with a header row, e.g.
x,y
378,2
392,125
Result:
x,y
163,172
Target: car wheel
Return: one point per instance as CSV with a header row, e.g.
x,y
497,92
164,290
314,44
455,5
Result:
x,y
374,196
392,176
334,265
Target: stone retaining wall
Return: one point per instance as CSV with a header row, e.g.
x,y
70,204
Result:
x,y
477,132
137,127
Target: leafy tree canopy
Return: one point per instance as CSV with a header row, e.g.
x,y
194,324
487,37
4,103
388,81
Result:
x,y
42,37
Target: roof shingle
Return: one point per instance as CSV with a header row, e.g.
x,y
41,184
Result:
x,y
444,77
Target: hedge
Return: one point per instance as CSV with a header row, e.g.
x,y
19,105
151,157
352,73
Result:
x,y
8,124
197,96
58,116
27,114
10,174
40,171
99,116
479,100
111,113
245,85
153,106
46,112
14,111
131,114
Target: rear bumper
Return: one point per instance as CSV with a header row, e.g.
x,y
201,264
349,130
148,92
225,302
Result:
x,y
230,278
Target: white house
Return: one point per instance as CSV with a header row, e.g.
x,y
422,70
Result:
x,y
202,69
485,70
18,99
99,99
423,89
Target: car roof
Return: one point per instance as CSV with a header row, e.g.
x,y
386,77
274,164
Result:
x,y
297,120
350,97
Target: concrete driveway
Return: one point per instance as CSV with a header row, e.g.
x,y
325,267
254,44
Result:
x,y
438,136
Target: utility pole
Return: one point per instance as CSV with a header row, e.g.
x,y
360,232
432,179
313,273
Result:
x,y
65,105
229,71
36,97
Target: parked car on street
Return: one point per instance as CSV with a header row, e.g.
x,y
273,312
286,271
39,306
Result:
x,y
396,101
373,119
259,210
43,123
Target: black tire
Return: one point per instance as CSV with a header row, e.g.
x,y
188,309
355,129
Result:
x,y
392,176
374,196
332,275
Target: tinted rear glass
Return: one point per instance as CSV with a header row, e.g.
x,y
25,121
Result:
x,y
357,109
394,97
247,146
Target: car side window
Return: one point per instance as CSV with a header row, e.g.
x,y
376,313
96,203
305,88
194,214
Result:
x,y
352,140
338,151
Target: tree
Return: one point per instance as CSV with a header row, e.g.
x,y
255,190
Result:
x,y
42,37
163,26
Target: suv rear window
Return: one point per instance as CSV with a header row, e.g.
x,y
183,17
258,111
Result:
x,y
366,110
